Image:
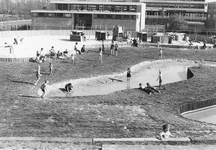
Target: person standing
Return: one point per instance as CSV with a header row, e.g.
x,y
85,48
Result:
x,y
159,79
103,48
100,55
128,74
160,53
112,48
76,49
51,69
38,75
44,88
116,49
72,57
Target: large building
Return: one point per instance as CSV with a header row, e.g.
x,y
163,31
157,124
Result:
x,y
158,11
91,14
104,14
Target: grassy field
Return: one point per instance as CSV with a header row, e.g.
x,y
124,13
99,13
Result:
x,y
107,115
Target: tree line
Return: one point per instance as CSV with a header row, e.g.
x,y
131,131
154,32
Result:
x,y
20,9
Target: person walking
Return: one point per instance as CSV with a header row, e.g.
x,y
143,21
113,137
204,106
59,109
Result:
x,y
44,88
38,75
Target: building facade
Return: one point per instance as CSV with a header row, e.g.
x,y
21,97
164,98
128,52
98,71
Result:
x,y
104,14
158,11
211,17
91,14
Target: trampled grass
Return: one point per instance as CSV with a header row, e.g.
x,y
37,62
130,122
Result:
x,y
127,113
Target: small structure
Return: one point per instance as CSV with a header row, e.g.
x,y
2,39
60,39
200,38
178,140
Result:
x,y
159,37
100,35
77,35
118,33
142,36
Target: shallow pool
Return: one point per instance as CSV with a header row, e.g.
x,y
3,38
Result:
x,y
206,115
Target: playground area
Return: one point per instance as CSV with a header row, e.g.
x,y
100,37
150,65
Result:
x,y
33,41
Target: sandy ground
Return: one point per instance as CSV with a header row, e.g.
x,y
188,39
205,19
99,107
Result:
x,y
30,45
103,84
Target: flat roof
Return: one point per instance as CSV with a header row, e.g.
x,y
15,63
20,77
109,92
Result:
x,y
85,12
95,2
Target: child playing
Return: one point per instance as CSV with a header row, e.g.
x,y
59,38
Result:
x,y
44,88
166,133
68,87
38,75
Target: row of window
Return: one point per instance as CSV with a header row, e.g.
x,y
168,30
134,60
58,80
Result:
x,y
153,13
194,6
98,16
101,16
91,7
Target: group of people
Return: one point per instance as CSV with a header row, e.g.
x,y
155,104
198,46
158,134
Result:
x,y
148,89
68,87
114,49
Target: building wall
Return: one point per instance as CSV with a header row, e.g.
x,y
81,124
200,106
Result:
x,y
211,18
52,23
109,23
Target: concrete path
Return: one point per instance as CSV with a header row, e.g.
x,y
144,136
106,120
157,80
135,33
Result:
x,y
158,147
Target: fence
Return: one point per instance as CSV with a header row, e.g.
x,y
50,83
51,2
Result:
x,y
197,105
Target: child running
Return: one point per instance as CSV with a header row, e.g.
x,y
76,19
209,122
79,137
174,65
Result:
x,y
38,75
44,88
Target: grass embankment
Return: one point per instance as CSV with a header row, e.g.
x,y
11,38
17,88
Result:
x,y
107,115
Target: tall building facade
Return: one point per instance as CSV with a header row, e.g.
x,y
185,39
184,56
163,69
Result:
x,y
91,14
